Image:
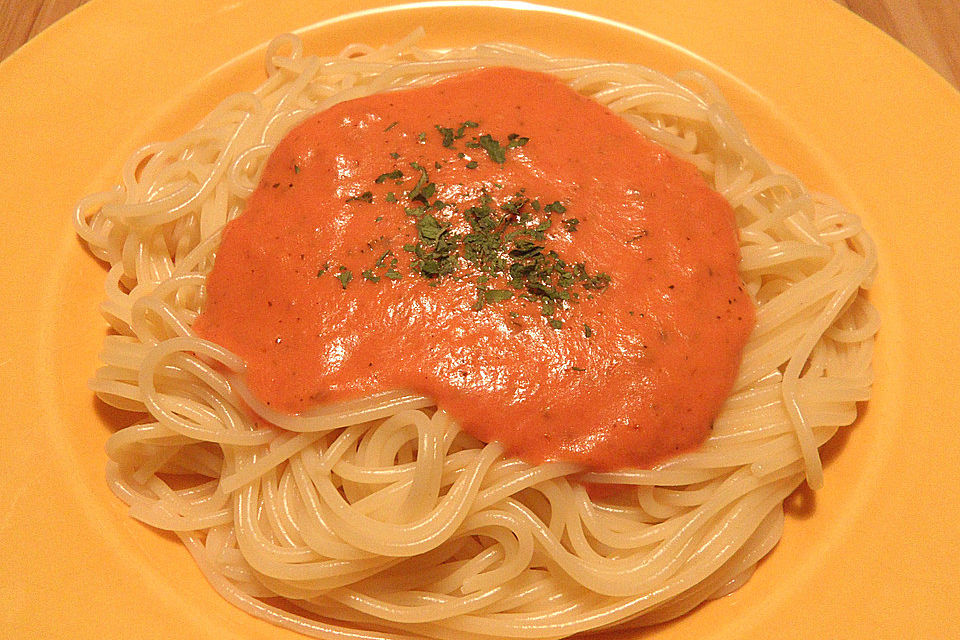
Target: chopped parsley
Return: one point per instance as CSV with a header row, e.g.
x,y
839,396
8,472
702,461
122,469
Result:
x,y
516,140
429,229
345,276
366,196
497,153
424,188
446,133
396,174
497,295
491,241
555,207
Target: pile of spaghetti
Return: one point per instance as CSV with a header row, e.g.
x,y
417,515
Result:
x,y
379,518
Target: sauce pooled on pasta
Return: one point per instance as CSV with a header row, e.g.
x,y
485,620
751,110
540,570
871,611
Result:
x,y
503,245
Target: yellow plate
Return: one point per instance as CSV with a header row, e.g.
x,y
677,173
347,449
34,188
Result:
x,y
822,93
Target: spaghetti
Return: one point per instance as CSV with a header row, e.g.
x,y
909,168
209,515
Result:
x,y
379,518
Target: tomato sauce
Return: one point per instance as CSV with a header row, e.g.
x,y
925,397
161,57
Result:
x,y
503,245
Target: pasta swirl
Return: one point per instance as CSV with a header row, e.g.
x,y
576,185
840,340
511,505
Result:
x,y
379,518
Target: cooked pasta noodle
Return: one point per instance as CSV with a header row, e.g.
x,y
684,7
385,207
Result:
x,y
379,518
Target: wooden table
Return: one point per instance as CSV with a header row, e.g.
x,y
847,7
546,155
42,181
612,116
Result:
x,y
929,28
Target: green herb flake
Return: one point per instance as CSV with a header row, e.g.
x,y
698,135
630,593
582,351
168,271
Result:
x,y
345,276
422,182
496,152
428,229
393,274
390,197
571,224
396,174
556,324
391,125
370,275
472,164
516,140
380,260
296,168
547,306
366,196
587,331
555,207
497,295
446,134
481,299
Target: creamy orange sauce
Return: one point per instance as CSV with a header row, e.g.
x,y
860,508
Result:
x,y
633,368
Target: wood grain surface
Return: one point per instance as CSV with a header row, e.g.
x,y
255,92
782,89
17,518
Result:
x,y
929,28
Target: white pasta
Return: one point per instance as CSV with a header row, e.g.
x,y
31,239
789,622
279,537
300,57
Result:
x,y
379,518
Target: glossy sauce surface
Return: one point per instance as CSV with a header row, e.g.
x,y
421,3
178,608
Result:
x,y
325,284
